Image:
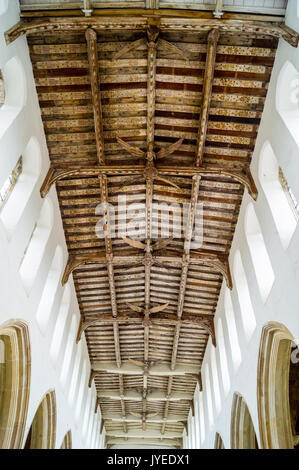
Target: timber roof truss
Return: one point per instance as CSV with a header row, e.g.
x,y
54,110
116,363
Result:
x,y
161,108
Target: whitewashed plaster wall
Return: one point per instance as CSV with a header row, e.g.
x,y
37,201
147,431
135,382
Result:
x,y
17,127
282,303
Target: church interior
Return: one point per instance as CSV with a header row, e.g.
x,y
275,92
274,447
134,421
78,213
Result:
x,y
149,208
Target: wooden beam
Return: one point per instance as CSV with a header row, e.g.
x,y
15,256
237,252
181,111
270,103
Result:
x,y
127,368
166,409
218,262
134,396
213,37
120,19
92,48
165,320
122,401
57,174
150,433
109,264
172,418
269,15
165,442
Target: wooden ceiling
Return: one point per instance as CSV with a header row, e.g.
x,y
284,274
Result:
x,y
160,108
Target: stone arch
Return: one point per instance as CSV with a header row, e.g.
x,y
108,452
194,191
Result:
x,y
42,432
2,89
67,441
273,387
218,442
242,430
15,372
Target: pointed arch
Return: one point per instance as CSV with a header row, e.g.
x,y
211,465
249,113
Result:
x,y
67,441
242,430
273,387
218,442
42,432
15,372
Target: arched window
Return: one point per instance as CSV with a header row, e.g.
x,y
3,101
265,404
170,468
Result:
x,y
215,380
223,358
247,313
209,395
197,418
20,185
232,331
36,247
87,411
287,98
10,182
60,324
281,200
68,351
259,255
49,292
75,374
81,392
202,420
14,78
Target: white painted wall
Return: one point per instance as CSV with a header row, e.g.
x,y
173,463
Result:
x,y
18,124
282,303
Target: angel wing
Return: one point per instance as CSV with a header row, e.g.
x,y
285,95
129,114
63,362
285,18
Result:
x,y
137,415
134,307
136,151
165,151
159,308
172,48
134,243
136,362
130,47
161,244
